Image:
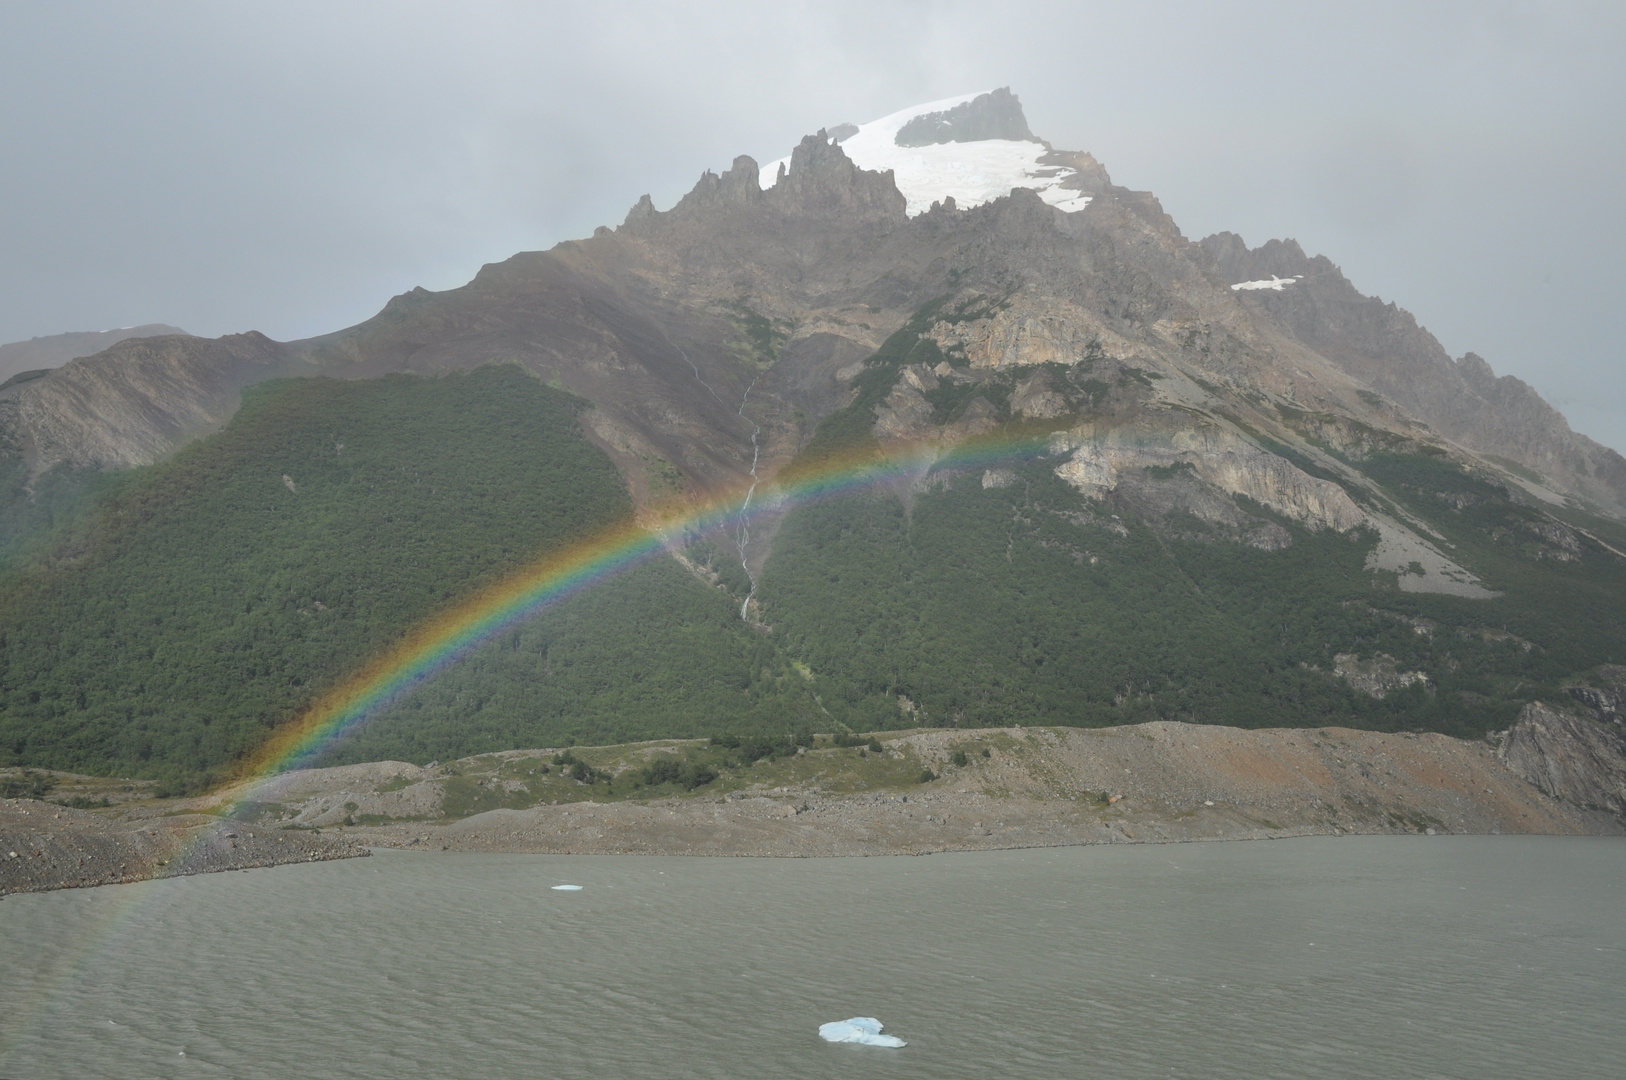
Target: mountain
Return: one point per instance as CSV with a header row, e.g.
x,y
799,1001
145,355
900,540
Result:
x,y
1115,475
43,353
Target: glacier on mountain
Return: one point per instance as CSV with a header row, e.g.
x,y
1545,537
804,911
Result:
x,y
1273,283
971,173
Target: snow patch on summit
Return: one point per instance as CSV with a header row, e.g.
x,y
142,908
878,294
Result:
x,y
971,173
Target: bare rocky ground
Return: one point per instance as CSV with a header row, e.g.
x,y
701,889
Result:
x,y
46,846
1044,787
1034,787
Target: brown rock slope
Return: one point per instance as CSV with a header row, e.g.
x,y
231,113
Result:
x,y
1036,787
44,846
137,402
1383,346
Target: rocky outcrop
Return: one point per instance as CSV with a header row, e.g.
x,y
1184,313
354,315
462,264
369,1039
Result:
x,y
1606,697
995,115
1213,454
1376,676
1568,757
1029,330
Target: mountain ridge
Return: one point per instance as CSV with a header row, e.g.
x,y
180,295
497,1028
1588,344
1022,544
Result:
x,y
1379,345
1214,511
38,355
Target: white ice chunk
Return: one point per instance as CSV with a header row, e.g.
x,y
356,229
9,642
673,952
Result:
x,y
1273,283
567,888
859,1029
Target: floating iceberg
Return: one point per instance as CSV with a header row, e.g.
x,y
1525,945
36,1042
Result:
x,y
860,1029
567,888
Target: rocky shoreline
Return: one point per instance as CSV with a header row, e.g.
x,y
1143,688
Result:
x,y
1044,787
44,846
1554,773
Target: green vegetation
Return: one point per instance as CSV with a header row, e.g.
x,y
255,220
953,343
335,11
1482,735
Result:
x,y
163,622
648,653
763,338
645,770
1029,604
183,612
27,785
978,607
180,614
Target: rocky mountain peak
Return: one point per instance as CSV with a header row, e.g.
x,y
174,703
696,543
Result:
x,y
822,178
994,115
974,148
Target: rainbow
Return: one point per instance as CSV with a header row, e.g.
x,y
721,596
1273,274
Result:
x,y
451,634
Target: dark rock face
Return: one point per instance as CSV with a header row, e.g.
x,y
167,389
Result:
x,y
1607,697
996,115
1569,757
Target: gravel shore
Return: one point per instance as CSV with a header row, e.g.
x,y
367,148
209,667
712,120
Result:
x,y
1042,787
44,846
994,788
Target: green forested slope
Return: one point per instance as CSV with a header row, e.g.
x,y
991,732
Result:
x,y
197,603
162,622
1032,604
650,653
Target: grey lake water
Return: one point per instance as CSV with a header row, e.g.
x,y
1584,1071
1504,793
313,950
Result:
x,y
1354,957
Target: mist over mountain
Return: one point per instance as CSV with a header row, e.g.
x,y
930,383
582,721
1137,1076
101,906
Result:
x,y
1243,491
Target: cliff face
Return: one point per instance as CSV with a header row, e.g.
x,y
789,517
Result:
x,y
1568,757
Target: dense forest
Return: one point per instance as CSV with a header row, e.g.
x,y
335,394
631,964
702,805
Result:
x,y
168,619
1025,604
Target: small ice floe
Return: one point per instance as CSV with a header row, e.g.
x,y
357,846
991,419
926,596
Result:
x,y
860,1029
567,888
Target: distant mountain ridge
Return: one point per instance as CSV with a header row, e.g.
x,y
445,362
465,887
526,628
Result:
x,y
42,353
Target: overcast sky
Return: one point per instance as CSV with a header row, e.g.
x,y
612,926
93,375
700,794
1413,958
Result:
x,y
288,167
